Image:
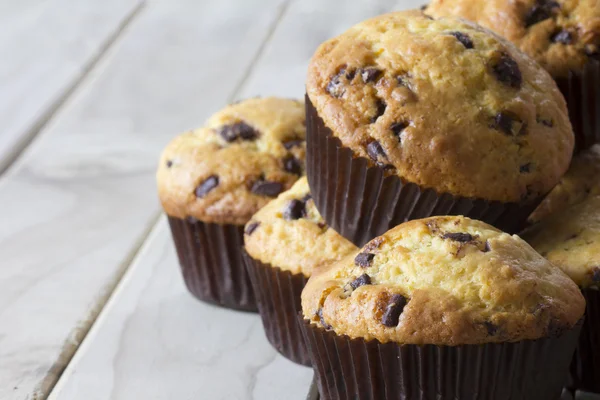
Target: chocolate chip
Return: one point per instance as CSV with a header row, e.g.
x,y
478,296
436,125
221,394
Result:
x,y
464,39
267,188
293,143
251,227
487,247
380,107
307,197
397,129
556,328
394,309
525,168
362,280
563,36
540,12
424,7
403,80
596,274
364,259
207,185
458,237
546,122
321,225
295,209
509,123
240,130
370,74
507,71
169,163
292,165
375,151
323,323
335,87
350,74
491,328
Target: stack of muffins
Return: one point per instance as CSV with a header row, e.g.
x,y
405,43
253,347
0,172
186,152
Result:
x,y
393,268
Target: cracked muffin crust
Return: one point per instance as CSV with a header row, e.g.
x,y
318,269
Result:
x,y
562,35
244,156
292,222
571,241
443,281
444,104
581,180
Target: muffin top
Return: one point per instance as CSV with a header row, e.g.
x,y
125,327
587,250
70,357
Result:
x,y
243,157
571,241
444,104
562,35
292,222
581,180
444,281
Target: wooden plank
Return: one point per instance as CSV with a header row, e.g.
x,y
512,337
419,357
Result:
x,y
82,197
154,341
45,53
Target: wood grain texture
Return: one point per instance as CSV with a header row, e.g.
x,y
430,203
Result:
x,y
45,52
154,341
79,201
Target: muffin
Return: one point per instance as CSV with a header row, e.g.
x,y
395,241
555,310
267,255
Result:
x,y
213,179
562,35
285,241
570,239
409,117
581,180
444,307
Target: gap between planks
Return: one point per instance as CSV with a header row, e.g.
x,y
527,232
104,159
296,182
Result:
x,y
54,108
72,345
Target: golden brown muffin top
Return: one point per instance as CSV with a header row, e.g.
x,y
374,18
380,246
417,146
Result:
x,y
444,104
243,157
581,180
443,281
562,35
570,239
290,234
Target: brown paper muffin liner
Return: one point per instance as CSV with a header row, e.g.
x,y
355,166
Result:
x,y
360,202
369,370
585,367
211,261
278,296
582,93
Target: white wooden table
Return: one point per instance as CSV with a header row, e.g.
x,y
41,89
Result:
x,y
92,305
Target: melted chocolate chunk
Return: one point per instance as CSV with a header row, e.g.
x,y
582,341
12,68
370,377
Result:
x,y
507,71
307,197
370,74
525,168
546,122
596,274
403,80
487,247
380,107
295,209
240,130
397,129
362,280
207,185
336,86
491,328
541,11
292,165
364,259
251,227
464,39
267,188
323,323
563,36
376,152
458,237
391,315
169,163
509,123
289,144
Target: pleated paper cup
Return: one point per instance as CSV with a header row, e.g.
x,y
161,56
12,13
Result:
x,y
348,368
582,93
585,368
278,296
211,262
361,201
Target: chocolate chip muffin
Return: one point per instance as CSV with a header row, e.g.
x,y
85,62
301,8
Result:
x,y
285,241
562,35
431,292
409,117
213,179
581,180
570,239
